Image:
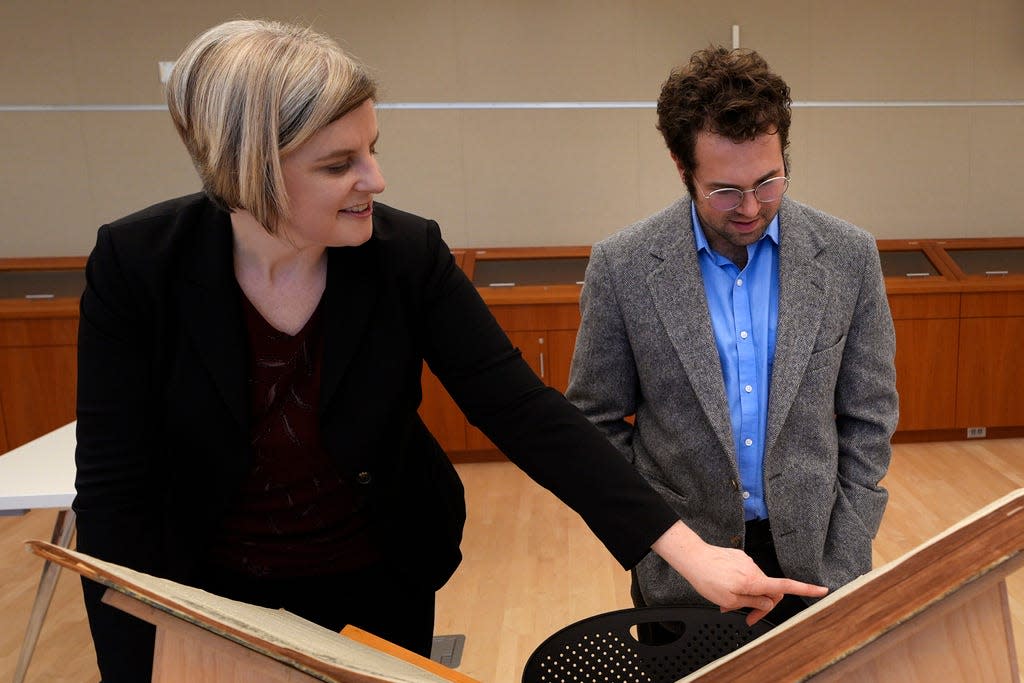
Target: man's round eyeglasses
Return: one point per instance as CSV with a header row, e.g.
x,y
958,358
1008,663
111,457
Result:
x,y
728,198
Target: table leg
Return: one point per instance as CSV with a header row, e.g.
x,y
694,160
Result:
x,y
62,531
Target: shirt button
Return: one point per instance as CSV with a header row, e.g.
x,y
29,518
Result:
x,y
746,495
739,282
743,334
364,478
748,388
748,442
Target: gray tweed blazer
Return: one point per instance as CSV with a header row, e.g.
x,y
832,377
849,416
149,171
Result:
x,y
646,348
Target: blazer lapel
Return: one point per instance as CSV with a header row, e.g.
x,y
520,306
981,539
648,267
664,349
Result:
x,y
677,290
211,312
801,306
350,296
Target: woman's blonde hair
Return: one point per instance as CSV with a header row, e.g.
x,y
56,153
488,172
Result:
x,y
246,93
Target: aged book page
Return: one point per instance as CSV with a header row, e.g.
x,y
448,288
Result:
x,y
278,634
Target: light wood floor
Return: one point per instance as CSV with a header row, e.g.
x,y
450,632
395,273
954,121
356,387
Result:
x,y
532,566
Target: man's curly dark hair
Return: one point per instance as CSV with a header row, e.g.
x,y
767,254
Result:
x,y
732,93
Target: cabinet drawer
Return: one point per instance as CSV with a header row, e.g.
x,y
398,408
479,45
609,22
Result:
x,y
517,318
921,306
992,304
38,332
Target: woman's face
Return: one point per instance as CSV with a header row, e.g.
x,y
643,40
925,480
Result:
x,y
330,180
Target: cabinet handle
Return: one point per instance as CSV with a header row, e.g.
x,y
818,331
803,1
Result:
x,y
542,365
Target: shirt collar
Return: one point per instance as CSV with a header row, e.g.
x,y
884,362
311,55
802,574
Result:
x,y
702,241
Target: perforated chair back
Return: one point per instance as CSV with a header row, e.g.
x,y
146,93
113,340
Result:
x,y
603,648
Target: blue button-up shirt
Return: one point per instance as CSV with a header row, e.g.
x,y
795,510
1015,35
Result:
x,y
744,307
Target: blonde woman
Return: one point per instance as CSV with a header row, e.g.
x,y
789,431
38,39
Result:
x,y
249,374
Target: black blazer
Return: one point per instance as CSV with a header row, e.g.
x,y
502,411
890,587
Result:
x,y
162,400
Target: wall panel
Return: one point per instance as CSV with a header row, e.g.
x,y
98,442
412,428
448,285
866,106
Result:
x,y
526,176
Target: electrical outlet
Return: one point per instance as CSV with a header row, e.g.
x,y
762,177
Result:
x,y
975,432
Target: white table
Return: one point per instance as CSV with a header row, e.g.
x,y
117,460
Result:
x,y
41,474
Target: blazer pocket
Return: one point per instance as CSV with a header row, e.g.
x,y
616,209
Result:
x,y
827,356
679,503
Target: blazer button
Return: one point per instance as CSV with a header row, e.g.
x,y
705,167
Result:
x,y
737,541
364,478
735,484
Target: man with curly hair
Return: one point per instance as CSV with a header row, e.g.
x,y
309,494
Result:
x,y
750,339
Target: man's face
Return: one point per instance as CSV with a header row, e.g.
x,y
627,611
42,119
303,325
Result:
x,y
722,163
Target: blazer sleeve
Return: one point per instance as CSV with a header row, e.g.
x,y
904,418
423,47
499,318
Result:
x,y
867,405
114,502
114,390
534,425
603,382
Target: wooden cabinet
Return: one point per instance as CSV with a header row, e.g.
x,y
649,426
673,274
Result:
x,y
534,296
38,346
547,351
957,305
926,372
561,344
3,431
38,365
545,334
990,372
925,302
958,331
990,363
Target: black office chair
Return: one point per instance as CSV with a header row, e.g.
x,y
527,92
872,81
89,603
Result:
x,y
603,648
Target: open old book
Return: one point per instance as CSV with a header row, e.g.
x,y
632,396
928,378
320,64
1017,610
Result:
x,y
294,644
940,612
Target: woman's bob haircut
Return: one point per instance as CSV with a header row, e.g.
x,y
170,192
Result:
x,y
246,93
